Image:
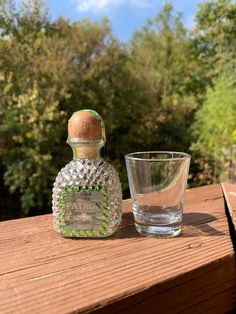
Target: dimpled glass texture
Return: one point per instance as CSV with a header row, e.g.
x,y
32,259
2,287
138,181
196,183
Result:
x,y
84,173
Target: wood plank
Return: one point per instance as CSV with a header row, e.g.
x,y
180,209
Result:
x,y
41,272
229,190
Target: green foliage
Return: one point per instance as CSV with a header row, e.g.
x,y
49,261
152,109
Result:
x,y
215,127
147,91
215,35
30,102
215,47
48,70
29,126
163,55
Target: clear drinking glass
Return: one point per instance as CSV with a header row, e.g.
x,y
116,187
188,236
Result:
x,y
157,182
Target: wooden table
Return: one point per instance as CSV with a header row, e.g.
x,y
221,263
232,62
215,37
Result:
x,y
41,272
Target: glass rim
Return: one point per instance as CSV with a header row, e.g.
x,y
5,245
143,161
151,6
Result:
x,y
175,156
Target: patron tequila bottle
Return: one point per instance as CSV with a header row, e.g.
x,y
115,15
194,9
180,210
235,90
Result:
x,y
87,192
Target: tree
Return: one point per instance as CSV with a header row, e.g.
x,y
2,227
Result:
x,y
163,55
30,100
214,35
215,128
48,70
215,46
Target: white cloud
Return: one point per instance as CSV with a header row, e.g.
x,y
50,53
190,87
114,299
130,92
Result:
x,y
101,5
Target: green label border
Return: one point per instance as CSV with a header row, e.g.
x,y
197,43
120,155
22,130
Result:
x,y
65,231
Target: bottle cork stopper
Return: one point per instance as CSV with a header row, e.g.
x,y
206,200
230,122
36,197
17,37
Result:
x,y
85,126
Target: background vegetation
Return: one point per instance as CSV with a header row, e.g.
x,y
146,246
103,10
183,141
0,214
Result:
x,y
169,88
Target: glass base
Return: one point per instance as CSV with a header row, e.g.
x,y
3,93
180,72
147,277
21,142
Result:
x,y
158,231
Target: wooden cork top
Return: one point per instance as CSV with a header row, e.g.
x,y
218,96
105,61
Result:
x,y
86,125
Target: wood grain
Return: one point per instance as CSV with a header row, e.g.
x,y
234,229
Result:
x,y
229,190
41,272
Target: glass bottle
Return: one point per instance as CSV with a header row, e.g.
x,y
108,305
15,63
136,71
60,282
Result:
x,y
87,195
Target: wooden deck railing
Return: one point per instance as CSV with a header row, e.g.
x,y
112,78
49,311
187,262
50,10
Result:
x,y
41,272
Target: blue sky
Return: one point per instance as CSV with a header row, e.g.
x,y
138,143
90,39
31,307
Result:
x,y
126,16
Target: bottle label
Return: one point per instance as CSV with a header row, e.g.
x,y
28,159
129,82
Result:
x,y
84,211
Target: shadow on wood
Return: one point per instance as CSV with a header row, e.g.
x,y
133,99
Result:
x,y
198,224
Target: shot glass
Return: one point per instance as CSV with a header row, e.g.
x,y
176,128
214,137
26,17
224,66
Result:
x,y
157,183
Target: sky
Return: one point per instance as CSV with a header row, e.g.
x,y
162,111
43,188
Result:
x,y
126,16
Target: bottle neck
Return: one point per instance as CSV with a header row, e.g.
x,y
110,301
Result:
x,y
86,151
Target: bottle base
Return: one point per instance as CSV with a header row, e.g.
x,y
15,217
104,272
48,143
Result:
x,y
87,235
158,231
